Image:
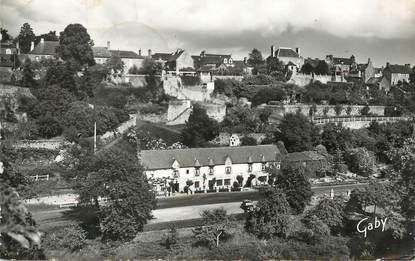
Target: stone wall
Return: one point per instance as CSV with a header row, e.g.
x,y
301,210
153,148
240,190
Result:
x,y
278,111
173,86
41,144
179,111
224,77
304,79
176,108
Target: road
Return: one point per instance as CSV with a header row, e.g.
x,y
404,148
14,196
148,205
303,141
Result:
x,y
184,207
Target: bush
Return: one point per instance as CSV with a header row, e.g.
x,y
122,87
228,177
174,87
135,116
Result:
x,y
190,80
72,238
247,141
153,109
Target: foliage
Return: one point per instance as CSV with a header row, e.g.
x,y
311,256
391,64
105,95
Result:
x,y
48,126
171,238
255,58
116,176
361,161
322,68
330,211
297,133
51,36
134,70
336,137
150,67
248,141
408,184
75,46
365,111
28,75
199,128
5,36
115,64
190,80
72,238
294,183
267,94
315,229
307,68
25,38
270,217
216,225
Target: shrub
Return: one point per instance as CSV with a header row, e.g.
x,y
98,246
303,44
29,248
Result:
x,y
71,238
365,111
246,141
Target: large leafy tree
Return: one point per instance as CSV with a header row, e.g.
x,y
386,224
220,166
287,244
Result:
x,y
28,75
25,38
271,216
19,237
75,46
336,137
330,211
297,133
294,183
216,226
322,68
307,68
5,36
199,128
116,176
150,67
51,36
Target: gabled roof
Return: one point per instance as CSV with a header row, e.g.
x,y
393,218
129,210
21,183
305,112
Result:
x,y
304,156
126,54
397,68
286,52
101,52
45,48
210,59
163,159
161,56
176,55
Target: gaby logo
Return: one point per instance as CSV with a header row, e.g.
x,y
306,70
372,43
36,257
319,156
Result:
x,y
364,227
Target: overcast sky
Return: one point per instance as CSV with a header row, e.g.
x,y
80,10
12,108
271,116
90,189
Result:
x,y
381,29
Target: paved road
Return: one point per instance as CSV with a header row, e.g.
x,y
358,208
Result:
x,y
182,208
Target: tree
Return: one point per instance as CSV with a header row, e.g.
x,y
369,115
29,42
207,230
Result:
x,y
48,126
408,184
216,226
295,185
255,59
150,67
322,68
115,63
267,94
117,176
248,141
336,137
19,236
270,216
51,36
75,46
338,109
199,128
273,64
25,38
307,68
72,238
5,36
315,229
365,111
330,211
297,132
63,75
361,161
28,75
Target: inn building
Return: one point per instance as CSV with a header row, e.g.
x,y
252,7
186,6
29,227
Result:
x,y
208,168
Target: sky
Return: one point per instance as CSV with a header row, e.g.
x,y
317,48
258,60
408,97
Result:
x,y
383,30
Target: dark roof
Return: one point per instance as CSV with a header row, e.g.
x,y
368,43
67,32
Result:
x,y
340,60
207,68
397,68
208,58
286,52
176,55
239,64
304,156
101,52
161,56
45,48
163,159
126,54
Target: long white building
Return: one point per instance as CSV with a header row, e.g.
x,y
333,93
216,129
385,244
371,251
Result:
x,y
201,166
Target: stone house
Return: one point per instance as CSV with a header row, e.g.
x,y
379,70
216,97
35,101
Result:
x,y
101,54
8,48
341,65
208,168
288,55
43,50
310,160
160,57
395,73
179,61
129,58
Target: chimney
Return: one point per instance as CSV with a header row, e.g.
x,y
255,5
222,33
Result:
x,y
42,40
387,64
139,52
202,53
408,65
149,53
32,46
245,60
272,51
297,50
108,45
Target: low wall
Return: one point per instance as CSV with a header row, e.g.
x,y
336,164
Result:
x,y
224,77
358,122
41,144
124,127
304,79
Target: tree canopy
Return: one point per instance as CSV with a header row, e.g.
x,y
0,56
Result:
x,y
25,38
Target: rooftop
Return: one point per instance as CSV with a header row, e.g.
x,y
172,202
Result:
x,y
126,54
397,68
45,48
303,156
161,56
101,52
286,52
163,159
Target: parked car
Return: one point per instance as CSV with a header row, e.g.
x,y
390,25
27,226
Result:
x,y
247,205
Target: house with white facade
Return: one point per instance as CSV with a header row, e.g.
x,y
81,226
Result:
x,y
288,56
208,168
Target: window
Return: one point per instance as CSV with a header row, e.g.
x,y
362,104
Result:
x,y
8,51
197,171
225,60
278,165
227,182
249,167
176,173
187,171
264,166
219,182
211,172
228,170
197,184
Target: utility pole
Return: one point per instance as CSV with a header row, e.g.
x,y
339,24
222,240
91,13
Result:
x,y
95,136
